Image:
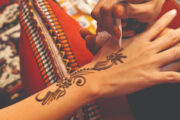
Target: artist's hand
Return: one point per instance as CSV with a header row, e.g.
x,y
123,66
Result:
x,y
144,11
146,55
90,40
106,11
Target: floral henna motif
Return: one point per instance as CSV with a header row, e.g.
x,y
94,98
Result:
x,y
78,77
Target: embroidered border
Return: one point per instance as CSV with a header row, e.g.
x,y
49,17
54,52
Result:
x,y
91,110
42,53
56,30
38,44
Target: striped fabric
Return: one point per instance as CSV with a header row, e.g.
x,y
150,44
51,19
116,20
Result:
x,y
42,52
38,43
58,34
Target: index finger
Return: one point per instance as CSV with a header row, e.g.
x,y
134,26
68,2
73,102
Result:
x,y
159,25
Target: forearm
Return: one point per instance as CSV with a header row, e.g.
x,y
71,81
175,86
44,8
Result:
x,y
46,106
67,95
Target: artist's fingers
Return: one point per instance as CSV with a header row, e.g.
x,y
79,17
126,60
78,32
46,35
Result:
x,y
90,39
144,12
91,42
168,40
106,16
159,25
85,32
96,12
137,1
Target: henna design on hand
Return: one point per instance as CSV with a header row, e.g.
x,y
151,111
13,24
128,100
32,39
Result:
x,y
78,77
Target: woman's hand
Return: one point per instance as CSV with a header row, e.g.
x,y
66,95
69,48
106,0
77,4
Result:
x,y
146,55
106,11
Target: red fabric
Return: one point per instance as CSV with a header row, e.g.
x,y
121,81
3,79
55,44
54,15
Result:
x,y
29,70
30,73
72,28
169,6
3,5
4,2
83,56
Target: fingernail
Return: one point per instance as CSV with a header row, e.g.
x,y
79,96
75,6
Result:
x,y
173,12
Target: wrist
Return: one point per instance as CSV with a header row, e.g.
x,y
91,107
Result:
x,y
93,82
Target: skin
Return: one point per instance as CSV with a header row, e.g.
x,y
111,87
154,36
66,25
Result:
x,y
140,69
106,11
111,112
154,51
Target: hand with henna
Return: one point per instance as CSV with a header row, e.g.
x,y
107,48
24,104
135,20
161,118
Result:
x,y
146,55
114,72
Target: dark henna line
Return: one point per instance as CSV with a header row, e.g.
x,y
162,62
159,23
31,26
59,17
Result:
x,y
50,96
99,68
114,57
43,100
78,77
102,65
79,80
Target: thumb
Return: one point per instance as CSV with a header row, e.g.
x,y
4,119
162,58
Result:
x,y
85,32
90,39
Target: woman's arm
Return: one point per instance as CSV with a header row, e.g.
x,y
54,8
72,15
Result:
x,y
54,102
114,72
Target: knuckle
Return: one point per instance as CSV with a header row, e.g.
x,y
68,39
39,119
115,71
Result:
x,y
149,10
150,48
152,78
176,52
171,77
149,76
172,35
95,14
106,9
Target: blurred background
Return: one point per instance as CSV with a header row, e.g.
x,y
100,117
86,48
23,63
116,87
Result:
x,y
11,89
